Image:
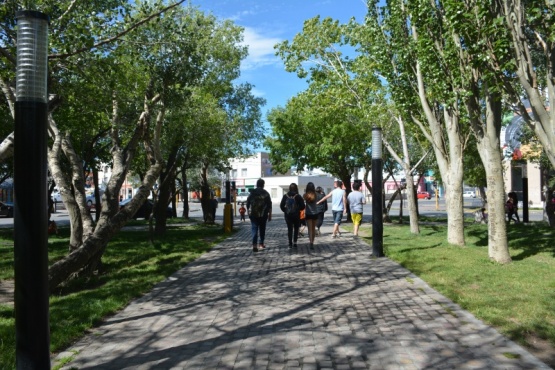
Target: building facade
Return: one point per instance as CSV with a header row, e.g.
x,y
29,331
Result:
x,y
245,173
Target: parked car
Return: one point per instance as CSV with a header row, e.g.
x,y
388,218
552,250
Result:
x,y
145,209
6,209
423,195
56,197
469,194
91,200
242,197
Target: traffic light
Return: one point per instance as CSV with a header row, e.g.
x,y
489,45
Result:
x,y
233,185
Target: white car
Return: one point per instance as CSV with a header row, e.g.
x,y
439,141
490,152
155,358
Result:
x,y
56,197
242,197
469,194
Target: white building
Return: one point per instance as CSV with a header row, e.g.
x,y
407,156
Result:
x,y
245,173
513,181
515,167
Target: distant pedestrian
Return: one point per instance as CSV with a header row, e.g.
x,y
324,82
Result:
x,y
338,206
514,197
242,212
291,205
510,210
322,208
356,201
213,207
259,207
481,216
311,197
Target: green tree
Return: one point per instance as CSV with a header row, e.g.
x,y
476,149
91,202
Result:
x,y
530,41
148,70
415,63
342,103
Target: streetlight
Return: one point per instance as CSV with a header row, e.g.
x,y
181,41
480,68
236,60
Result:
x,y
228,210
30,193
377,206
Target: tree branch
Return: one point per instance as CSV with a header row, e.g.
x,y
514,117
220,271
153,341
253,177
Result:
x,y
119,35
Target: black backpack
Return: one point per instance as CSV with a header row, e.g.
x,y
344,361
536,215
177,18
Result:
x,y
258,205
291,206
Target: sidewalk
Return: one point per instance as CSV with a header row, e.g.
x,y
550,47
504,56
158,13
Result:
x,y
333,307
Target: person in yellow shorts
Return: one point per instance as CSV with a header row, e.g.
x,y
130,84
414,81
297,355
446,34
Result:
x,y
356,201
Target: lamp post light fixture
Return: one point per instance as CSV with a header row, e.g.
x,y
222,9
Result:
x,y
377,200
30,193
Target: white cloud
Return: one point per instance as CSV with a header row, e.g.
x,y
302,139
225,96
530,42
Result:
x,y
261,49
241,15
258,93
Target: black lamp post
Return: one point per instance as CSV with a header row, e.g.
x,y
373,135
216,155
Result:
x,y
30,194
377,206
228,210
525,211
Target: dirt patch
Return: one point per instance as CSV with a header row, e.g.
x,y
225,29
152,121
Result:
x,y
542,349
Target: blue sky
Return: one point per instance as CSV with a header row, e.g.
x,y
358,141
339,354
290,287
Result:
x,y
268,22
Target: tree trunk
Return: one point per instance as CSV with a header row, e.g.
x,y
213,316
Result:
x,y
498,248
159,209
412,203
206,196
110,222
487,132
166,186
445,135
387,209
185,193
95,238
96,196
454,203
549,209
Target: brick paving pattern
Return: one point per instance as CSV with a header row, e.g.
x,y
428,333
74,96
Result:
x,y
333,307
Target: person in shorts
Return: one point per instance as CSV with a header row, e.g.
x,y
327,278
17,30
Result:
x,y
356,201
338,206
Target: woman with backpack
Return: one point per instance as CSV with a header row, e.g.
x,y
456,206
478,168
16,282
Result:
x,y
312,210
291,205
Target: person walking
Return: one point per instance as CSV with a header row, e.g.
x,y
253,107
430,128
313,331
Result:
x,y
510,210
242,212
356,201
291,205
311,214
322,208
259,206
213,207
514,197
338,206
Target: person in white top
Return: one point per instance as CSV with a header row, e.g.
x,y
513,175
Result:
x,y
356,201
338,206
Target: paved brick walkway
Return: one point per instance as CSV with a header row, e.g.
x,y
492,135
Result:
x,y
333,307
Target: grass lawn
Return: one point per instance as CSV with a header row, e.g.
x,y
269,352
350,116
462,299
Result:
x,y
131,266
518,298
